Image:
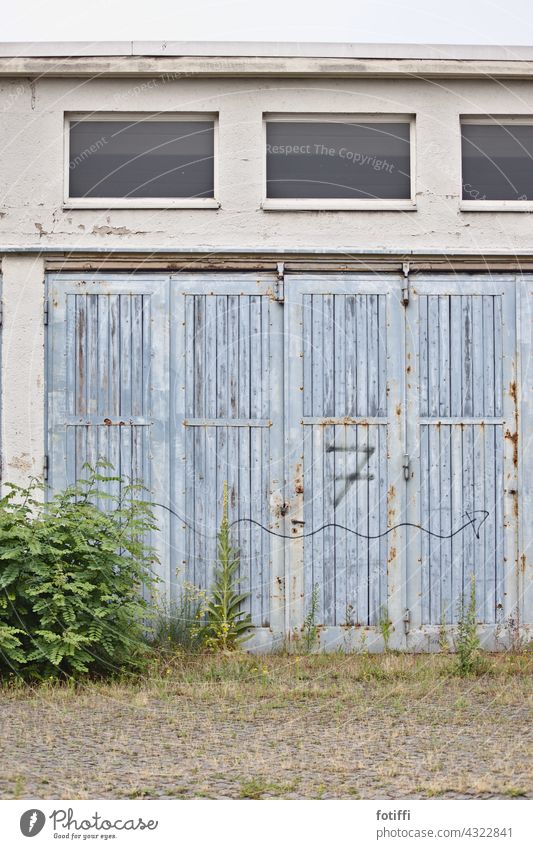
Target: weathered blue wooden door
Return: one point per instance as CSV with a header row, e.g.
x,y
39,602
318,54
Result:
x,y
227,425
462,437
344,337
107,376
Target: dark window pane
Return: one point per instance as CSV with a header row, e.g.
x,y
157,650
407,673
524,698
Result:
x,y
143,159
337,160
497,161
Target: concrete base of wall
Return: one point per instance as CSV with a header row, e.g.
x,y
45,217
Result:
x,y
427,639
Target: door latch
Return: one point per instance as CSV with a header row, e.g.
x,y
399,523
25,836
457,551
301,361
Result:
x,y
406,284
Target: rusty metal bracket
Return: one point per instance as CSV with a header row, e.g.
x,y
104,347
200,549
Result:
x,y
279,287
406,285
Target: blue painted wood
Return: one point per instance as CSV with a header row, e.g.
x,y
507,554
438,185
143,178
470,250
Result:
x,y
190,395
232,356
463,369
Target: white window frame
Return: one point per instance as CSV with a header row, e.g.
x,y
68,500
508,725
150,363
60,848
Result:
x,y
340,204
138,203
491,205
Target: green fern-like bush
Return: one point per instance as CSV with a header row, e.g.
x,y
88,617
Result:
x,y
71,578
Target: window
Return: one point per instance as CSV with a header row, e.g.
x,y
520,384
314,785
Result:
x,y
338,163
497,163
140,161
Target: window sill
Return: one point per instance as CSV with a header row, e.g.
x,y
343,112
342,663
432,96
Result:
x,y
324,205
140,203
496,206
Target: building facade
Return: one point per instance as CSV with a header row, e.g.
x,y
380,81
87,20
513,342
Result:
x,y
303,270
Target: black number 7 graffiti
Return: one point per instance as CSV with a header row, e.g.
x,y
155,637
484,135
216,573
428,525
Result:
x,y
358,475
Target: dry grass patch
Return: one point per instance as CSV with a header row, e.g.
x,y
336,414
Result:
x,y
241,726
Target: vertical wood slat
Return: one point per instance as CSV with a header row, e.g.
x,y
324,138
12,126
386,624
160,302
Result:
x,y
443,388
125,356
340,361
102,363
307,352
382,354
425,539
478,356
137,352
329,558
433,357
272,476
81,355
460,465
316,494
350,570
423,377
467,376
375,611
361,355
195,370
445,519
341,562
114,356
350,357
325,358
458,510
373,355
456,357
193,565
229,352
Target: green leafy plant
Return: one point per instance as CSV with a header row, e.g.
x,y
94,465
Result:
x,y
180,624
385,627
467,641
443,633
71,578
226,623
310,627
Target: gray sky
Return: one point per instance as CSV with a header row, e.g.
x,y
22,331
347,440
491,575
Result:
x,y
419,21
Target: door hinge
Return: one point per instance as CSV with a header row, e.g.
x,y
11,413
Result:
x,y
406,466
406,284
279,287
406,620
45,313
1,313
46,467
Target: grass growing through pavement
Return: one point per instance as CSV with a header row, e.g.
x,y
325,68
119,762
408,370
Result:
x,y
285,726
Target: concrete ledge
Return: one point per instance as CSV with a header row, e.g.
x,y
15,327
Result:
x,y
177,67
268,48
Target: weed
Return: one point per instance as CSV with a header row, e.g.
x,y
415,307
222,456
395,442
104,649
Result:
x,y
467,640
385,627
180,625
19,787
349,616
310,627
226,623
256,788
515,792
443,633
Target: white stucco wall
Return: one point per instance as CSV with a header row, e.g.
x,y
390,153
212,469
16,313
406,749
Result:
x,y
31,165
22,403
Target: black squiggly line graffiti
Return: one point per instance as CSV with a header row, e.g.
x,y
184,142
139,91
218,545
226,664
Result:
x,y
474,520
